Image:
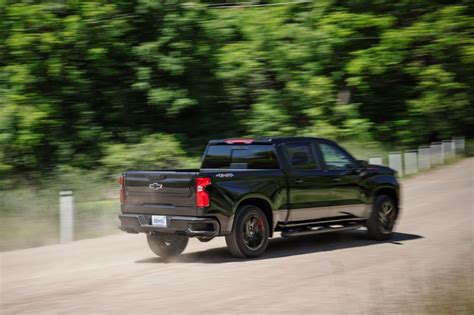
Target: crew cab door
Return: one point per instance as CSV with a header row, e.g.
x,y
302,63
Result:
x,y
309,192
343,179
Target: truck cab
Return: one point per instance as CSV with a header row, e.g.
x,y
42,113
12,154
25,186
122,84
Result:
x,y
247,190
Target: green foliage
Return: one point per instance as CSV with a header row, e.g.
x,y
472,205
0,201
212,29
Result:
x,y
423,68
152,152
93,83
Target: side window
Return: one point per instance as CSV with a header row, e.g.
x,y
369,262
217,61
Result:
x,y
254,157
300,155
240,157
334,158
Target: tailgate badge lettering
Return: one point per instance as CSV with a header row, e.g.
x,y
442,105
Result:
x,y
223,175
155,186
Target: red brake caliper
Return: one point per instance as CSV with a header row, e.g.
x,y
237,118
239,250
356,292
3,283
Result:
x,y
260,224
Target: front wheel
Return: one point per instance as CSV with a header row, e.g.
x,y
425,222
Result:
x,y
250,232
382,219
165,246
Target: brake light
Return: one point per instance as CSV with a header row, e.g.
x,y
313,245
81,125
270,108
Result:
x,y
122,192
203,199
239,141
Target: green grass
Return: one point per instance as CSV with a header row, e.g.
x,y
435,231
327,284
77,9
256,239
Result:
x,y
367,150
469,147
30,228
30,213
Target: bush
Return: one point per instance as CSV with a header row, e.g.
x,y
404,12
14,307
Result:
x,y
155,151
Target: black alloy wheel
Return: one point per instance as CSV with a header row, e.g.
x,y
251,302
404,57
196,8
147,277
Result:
x,y
250,233
254,232
382,220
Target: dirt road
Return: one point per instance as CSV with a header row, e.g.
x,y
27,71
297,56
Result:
x,y
426,268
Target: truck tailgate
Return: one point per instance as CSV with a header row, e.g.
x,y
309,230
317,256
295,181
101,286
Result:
x,y
160,192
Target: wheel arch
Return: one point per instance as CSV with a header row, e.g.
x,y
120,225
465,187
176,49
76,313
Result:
x,y
260,201
391,192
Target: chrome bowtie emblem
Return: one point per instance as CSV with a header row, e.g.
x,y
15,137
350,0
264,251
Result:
x,y
155,186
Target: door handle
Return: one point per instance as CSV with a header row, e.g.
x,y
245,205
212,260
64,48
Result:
x,y
299,180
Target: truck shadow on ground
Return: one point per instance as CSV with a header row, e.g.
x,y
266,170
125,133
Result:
x,y
285,247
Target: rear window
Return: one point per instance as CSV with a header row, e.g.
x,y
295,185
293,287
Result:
x,y
240,157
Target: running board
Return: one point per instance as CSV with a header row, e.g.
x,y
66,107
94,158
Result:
x,y
320,222
319,230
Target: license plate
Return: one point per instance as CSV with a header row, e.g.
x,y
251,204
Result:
x,y
158,220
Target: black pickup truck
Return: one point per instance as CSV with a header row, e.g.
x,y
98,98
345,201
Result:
x,y
248,189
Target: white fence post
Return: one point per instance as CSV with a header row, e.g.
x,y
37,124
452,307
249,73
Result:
x,y
395,162
424,158
453,148
448,149
437,157
66,216
376,160
459,145
411,163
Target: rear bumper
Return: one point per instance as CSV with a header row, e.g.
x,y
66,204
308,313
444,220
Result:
x,y
182,225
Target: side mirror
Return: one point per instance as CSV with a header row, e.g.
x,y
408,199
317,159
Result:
x,y
362,164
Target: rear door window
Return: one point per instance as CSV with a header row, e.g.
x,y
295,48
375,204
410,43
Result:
x,y
300,155
240,157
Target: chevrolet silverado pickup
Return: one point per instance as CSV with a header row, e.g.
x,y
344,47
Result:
x,y
248,190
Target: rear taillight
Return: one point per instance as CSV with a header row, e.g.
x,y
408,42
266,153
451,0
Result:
x,y
122,192
203,198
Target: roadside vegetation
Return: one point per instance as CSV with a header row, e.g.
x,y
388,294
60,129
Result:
x,y
86,84
91,88
30,211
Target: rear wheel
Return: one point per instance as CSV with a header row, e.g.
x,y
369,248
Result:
x,y
204,239
165,245
250,232
382,219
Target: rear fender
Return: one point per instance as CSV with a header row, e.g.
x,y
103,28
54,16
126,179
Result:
x,y
274,214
